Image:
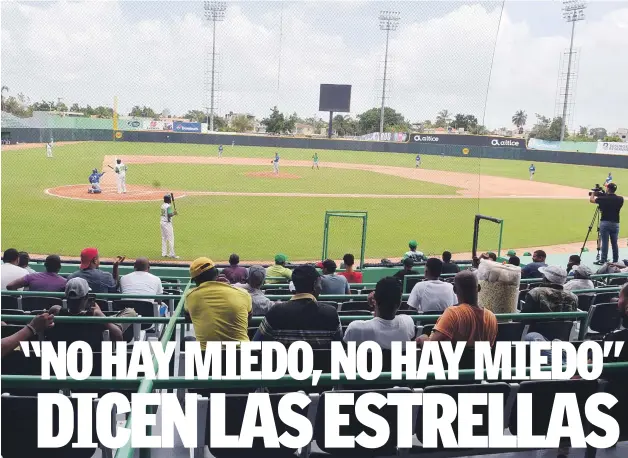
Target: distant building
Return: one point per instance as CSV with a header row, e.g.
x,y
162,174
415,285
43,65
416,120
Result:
x,y
621,133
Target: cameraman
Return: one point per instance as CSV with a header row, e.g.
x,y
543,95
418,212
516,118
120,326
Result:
x,y
610,204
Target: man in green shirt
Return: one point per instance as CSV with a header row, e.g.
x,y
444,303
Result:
x,y
279,269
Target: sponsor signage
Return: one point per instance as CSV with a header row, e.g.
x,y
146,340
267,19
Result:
x,y
398,137
180,126
468,140
612,148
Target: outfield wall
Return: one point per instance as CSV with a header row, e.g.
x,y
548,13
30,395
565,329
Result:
x,y
29,135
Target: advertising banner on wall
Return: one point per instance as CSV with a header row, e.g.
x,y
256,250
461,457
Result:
x,y
152,125
129,124
180,126
398,137
547,145
612,148
468,140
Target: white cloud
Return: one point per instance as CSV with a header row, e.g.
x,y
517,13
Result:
x,y
89,52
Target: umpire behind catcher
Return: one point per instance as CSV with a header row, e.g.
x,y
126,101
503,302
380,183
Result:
x,y
610,204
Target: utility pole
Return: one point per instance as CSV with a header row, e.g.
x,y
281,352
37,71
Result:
x,y
573,11
214,12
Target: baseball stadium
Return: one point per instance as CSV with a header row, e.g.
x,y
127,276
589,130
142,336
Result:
x,y
229,225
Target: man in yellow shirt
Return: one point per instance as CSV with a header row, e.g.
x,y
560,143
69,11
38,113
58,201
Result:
x,y
218,311
279,270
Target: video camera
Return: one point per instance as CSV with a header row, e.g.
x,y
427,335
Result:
x,y
597,191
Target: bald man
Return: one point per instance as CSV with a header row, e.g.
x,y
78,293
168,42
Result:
x,y
141,281
466,322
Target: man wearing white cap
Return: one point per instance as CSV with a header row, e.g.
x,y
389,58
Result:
x,y
581,280
551,296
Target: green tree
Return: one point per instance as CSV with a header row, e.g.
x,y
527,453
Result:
x,y
478,129
598,133
520,118
242,123
442,118
464,121
612,138
143,112
277,123
197,116
18,106
546,128
368,121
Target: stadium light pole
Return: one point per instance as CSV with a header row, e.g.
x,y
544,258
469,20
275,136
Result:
x,y
214,11
388,21
573,11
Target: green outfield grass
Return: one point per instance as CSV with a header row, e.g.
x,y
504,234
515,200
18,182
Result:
x,y
257,227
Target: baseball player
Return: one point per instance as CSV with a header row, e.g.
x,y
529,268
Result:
x,y
315,164
275,163
232,143
94,180
220,151
120,170
167,232
609,180
417,161
532,169
48,149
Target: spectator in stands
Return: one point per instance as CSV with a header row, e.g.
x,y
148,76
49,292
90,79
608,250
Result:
x,y
10,270
551,296
279,269
37,325
489,255
332,283
99,280
261,303
416,256
621,334
235,273
141,281
386,327
514,260
448,266
408,263
23,261
302,317
351,275
467,322
532,270
432,295
218,311
50,280
581,280
574,261
80,303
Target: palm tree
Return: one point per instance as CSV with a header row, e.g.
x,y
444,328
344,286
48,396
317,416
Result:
x,y
442,118
519,118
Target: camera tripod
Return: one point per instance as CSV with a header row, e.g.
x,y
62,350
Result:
x,y
595,221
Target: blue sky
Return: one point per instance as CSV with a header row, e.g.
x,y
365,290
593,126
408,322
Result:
x,y
154,53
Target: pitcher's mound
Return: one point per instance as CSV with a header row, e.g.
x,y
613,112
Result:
x,y
288,176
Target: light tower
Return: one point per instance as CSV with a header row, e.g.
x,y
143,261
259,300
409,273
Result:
x,y
573,11
214,12
388,21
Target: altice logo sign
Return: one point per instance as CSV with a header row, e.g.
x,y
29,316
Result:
x,y
504,142
426,138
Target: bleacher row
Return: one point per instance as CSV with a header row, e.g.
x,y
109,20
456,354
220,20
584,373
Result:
x,y
20,375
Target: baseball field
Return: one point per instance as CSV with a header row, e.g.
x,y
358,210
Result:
x,y
236,204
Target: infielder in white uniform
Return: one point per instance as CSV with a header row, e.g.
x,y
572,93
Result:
x,y
167,232
48,150
120,170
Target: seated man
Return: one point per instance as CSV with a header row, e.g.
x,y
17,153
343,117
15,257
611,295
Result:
x,y
550,296
574,261
261,303
332,283
302,317
514,261
408,263
218,311
80,303
581,280
234,273
141,281
532,270
99,280
386,327
24,261
351,275
279,270
432,295
94,180
467,322
448,266
50,280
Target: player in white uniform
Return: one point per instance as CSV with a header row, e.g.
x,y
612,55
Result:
x,y
48,149
167,232
120,170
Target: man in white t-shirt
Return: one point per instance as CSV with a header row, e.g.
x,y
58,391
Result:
x,y
432,295
141,281
10,270
386,327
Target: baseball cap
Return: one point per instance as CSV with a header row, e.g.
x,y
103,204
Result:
x,y
76,288
87,256
583,270
511,253
280,258
413,244
200,265
95,170
554,274
257,275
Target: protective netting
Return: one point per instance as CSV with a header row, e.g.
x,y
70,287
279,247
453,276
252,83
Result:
x,y
344,235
